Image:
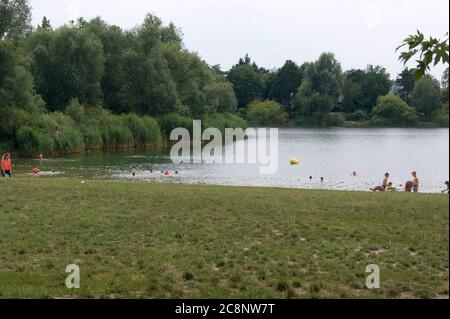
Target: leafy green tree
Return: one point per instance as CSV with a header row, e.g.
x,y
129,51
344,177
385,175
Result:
x,y
320,90
17,96
266,113
430,51
220,97
363,87
191,77
248,80
45,25
309,103
406,81
16,82
246,60
426,96
247,83
284,83
353,91
67,63
152,33
114,42
148,88
325,76
15,19
376,83
391,110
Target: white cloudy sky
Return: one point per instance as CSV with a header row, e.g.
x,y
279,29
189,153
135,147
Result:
x,y
359,32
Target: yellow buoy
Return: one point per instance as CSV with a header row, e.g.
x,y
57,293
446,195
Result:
x,y
294,161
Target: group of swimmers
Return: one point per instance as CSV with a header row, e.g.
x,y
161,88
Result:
x,y
165,172
410,186
387,185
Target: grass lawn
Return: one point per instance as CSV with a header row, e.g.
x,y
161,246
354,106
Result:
x,y
179,241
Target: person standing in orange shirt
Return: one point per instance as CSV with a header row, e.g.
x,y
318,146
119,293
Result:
x,y
6,165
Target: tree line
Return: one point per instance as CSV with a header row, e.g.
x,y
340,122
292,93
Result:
x,y
89,84
320,93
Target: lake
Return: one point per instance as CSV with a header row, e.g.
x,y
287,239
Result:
x,y
329,153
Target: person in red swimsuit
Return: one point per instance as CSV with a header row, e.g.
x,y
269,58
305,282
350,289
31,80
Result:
x,y
6,165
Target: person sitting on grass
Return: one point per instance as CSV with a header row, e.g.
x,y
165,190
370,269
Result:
x,y
6,165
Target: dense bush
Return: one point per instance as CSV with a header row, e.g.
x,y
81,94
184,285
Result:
x,y
172,121
334,119
426,96
145,130
49,133
116,133
358,115
92,136
441,116
222,121
306,121
31,140
266,113
101,129
391,110
61,129
82,128
328,120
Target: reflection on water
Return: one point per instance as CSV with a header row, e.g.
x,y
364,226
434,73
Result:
x,y
329,153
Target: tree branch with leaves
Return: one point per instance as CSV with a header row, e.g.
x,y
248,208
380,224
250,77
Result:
x,y
431,51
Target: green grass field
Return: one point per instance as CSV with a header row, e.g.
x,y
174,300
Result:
x,y
141,240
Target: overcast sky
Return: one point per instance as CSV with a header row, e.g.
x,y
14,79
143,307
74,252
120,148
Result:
x,y
359,32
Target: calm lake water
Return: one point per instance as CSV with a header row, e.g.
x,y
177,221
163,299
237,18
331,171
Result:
x,y
329,153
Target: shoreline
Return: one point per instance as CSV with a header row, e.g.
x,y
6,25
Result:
x,y
55,177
